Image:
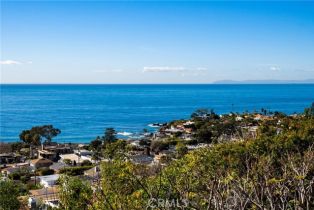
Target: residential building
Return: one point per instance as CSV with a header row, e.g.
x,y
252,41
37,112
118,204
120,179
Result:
x,y
40,163
48,181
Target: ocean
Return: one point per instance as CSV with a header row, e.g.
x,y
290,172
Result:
x,y
82,112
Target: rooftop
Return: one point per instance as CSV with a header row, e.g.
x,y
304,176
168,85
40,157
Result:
x,y
41,161
49,177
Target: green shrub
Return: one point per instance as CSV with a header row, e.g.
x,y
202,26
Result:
x,y
15,176
45,171
67,161
74,171
86,163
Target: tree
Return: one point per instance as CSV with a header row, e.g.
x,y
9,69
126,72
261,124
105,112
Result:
x,y
45,171
204,114
122,185
86,163
181,150
30,137
95,145
115,150
48,132
203,134
200,113
8,196
110,135
74,193
37,134
96,155
159,145
309,112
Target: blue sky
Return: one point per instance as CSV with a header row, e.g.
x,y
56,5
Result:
x,y
155,42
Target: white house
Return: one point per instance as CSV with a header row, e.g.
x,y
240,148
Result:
x,y
83,152
48,181
71,157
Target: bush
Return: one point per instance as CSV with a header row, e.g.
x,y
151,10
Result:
x,y
46,171
67,161
15,176
191,142
23,175
86,163
74,171
158,146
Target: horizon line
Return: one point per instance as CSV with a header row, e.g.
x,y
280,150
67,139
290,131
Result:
x,y
236,83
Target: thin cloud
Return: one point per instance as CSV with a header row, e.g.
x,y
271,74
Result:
x,y
274,68
163,69
175,69
13,62
10,62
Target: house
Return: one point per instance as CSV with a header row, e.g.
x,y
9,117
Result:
x,y
93,173
239,118
40,163
84,155
16,168
74,158
173,129
188,123
49,196
142,159
57,166
46,154
48,181
53,151
87,157
83,152
6,158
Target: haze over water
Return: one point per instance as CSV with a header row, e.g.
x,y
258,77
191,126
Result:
x,y
82,112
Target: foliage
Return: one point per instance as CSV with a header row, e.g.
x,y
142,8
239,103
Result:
x,y
74,193
204,114
203,134
45,171
21,174
8,196
159,145
309,112
115,149
181,150
95,145
74,171
86,163
273,171
17,146
36,134
67,161
110,135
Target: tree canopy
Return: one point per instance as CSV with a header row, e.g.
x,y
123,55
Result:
x,y
8,196
37,134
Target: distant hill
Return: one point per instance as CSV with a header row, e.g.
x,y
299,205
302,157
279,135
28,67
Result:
x,y
308,81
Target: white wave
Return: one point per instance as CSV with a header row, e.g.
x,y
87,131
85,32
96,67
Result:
x,y
153,125
124,133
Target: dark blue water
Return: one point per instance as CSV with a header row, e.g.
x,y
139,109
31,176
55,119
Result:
x,y
83,111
